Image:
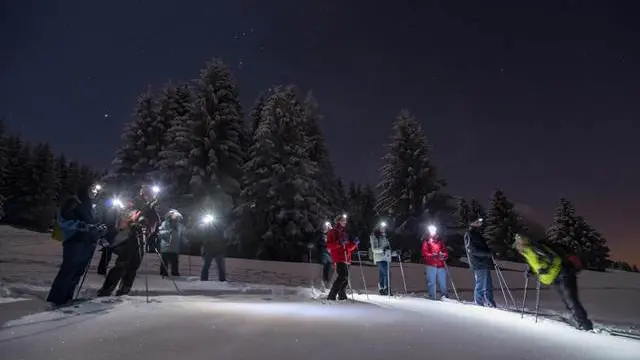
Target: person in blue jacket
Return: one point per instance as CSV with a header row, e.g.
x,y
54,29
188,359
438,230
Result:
x,y
78,243
171,236
480,261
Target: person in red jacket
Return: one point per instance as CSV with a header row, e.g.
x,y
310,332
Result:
x,y
435,253
340,249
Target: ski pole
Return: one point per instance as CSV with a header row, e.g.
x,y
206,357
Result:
x,y
363,279
537,298
404,282
163,264
389,274
310,267
524,299
504,281
453,285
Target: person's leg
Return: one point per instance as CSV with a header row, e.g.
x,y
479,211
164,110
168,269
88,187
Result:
x,y
478,293
222,267
58,294
385,276
326,273
102,265
131,270
164,264
206,264
118,270
431,282
488,289
342,293
173,259
567,286
337,283
442,282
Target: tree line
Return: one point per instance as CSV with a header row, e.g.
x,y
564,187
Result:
x,y
33,180
267,175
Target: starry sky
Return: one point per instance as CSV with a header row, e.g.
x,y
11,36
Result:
x,y
539,98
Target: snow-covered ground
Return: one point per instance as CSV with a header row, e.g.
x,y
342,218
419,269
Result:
x,y
267,309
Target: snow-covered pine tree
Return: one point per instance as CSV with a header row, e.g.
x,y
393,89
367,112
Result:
x,y
319,154
42,187
219,136
367,215
354,208
462,216
565,231
72,180
256,112
477,210
595,252
3,166
20,178
135,159
61,177
279,185
409,185
501,225
341,203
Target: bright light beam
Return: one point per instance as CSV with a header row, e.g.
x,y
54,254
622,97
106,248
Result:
x,y
432,230
208,219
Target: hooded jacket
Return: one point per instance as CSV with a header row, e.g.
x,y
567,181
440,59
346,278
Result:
x,y
171,235
380,247
339,245
478,251
432,249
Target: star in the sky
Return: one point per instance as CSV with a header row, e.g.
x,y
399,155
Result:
x,y
106,115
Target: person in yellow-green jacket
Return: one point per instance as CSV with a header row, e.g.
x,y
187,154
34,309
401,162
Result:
x,y
554,268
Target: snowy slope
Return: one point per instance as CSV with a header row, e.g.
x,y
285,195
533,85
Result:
x,y
267,309
203,328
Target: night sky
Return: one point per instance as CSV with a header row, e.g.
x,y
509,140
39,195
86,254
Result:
x,y
540,100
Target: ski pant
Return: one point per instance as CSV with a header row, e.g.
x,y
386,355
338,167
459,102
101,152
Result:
x,y
130,255
567,286
483,292
339,287
76,256
439,275
105,259
220,264
327,268
170,260
383,275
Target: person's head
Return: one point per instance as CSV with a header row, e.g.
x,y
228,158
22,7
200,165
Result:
x,y
521,242
85,192
476,224
377,232
341,220
326,227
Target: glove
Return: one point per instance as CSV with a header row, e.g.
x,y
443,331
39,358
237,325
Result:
x,y
441,255
343,242
356,241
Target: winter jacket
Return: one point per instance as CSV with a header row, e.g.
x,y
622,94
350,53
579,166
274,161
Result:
x,y
171,236
340,253
543,261
213,241
74,218
380,247
323,251
478,251
434,252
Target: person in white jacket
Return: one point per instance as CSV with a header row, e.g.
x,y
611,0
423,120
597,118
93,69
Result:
x,y
381,250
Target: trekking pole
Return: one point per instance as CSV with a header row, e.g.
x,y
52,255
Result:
x,y
537,298
189,261
86,270
309,246
389,274
453,285
404,282
164,265
504,281
363,279
141,249
524,300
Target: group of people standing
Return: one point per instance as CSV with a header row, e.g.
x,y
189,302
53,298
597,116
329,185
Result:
x,y
551,265
83,224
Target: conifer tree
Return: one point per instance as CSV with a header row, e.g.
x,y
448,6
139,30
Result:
x,y
136,158
593,251
319,154
565,231
409,185
4,161
174,168
42,187
279,186
256,112
462,216
218,133
61,177
20,180
501,225
477,210
72,180
341,198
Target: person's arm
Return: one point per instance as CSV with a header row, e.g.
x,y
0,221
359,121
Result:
x,y
445,253
375,246
426,253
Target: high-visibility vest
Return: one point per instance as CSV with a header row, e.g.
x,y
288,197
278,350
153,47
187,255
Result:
x,y
539,262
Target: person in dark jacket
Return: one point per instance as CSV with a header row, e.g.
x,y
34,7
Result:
x,y
325,256
480,261
171,236
340,248
214,246
142,223
75,217
553,267
110,216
